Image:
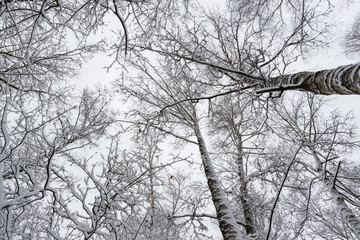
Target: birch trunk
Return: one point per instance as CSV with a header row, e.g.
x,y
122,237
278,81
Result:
x,y
344,209
343,80
228,226
249,223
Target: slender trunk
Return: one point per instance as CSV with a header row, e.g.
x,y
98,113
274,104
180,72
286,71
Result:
x,y
2,192
152,190
343,80
344,209
249,223
228,226
152,198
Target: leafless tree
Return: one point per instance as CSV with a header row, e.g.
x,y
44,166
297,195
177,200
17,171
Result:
x,y
42,118
239,125
249,44
352,41
325,143
128,194
275,168
34,139
162,86
205,57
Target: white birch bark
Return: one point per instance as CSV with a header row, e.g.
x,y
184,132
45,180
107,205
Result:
x,y
228,226
2,194
346,212
344,209
248,217
343,80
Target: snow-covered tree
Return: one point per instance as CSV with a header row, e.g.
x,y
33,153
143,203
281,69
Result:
x,y
213,136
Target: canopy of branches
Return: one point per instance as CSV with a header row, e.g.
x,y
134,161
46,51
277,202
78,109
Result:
x,y
210,130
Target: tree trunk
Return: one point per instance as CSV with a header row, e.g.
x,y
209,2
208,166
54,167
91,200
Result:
x,y
346,212
344,209
228,226
249,222
343,80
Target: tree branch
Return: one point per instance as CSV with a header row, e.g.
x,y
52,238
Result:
x,y
208,97
192,59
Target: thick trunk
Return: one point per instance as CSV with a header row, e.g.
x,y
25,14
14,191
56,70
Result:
x,y
228,226
343,80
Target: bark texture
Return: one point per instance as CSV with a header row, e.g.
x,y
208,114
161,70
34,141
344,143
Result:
x,y
228,226
343,80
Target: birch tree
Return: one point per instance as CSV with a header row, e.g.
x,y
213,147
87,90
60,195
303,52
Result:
x,y
239,125
171,90
249,44
326,142
175,56
182,122
353,38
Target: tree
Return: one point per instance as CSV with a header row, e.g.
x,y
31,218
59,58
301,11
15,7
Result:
x,y
209,56
251,44
353,38
42,119
325,146
274,168
266,140
241,124
34,140
157,90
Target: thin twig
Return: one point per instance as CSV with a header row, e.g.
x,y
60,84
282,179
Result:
x,y
208,97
